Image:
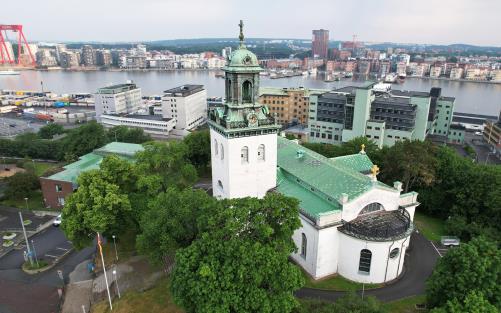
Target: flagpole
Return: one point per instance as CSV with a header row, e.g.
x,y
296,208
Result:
x,y
104,269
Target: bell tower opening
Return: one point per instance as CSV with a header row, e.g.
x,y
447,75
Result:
x,y
247,92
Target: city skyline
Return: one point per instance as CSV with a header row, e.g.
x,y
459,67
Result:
x,y
465,21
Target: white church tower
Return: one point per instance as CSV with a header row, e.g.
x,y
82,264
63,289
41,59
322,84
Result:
x,y
243,134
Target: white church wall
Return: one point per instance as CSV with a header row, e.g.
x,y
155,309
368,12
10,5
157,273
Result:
x,y
389,200
328,253
219,165
308,263
382,269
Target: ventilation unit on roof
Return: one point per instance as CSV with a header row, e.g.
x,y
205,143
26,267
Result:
x,y
299,154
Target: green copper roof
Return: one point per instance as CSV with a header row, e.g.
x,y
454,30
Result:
x,y
243,60
359,162
92,160
322,177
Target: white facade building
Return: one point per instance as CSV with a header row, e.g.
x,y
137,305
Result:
x,y
352,225
187,105
117,99
151,124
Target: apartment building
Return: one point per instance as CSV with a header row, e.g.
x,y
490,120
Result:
x,y
380,114
187,105
456,73
289,105
88,55
492,134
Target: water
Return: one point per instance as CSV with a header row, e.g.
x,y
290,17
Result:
x,y
479,98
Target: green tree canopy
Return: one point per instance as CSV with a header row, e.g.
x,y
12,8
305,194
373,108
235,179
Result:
x,y
349,303
198,144
100,204
473,303
169,222
239,263
473,267
20,185
50,130
84,139
123,133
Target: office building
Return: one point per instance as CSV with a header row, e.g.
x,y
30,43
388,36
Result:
x,y
380,114
290,106
492,135
320,43
187,105
117,99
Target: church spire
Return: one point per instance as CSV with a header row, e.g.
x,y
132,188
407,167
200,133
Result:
x,y
241,36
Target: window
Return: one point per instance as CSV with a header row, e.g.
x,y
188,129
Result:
x,y
60,201
323,136
303,245
394,253
215,147
59,188
244,155
260,153
329,136
220,184
247,91
371,207
364,265
222,152
336,137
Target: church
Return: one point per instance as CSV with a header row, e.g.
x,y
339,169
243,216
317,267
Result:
x,y
352,224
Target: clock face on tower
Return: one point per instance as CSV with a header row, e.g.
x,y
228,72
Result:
x,y
247,60
252,119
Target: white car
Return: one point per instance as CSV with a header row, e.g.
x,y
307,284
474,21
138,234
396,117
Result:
x,y
57,221
478,133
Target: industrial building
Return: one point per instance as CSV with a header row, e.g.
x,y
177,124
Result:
x,y
117,99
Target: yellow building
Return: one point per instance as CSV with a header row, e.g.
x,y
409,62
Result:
x,y
291,105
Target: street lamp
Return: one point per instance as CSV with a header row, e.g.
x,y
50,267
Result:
x,y
34,252
116,282
26,200
115,245
26,238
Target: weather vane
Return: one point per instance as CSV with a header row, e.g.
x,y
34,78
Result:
x,y
241,36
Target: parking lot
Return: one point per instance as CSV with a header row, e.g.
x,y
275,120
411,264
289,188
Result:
x,y
13,126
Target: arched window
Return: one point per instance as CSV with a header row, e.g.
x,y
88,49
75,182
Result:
x,y
222,152
220,184
394,253
216,148
364,265
371,207
229,93
304,244
244,154
260,153
247,91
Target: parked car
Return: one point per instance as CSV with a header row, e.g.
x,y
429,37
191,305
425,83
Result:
x,y
57,221
478,133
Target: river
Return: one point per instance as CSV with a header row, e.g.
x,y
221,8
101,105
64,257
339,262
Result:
x,y
479,98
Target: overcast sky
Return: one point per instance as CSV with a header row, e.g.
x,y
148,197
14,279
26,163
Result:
x,y
406,21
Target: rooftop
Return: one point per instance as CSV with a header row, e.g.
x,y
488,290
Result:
x,y
91,161
117,88
277,91
184,90
319,182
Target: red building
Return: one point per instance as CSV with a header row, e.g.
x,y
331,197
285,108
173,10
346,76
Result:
x,y
320,43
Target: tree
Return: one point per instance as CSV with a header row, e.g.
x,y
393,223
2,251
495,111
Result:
x,y
127,134
198,144
84,139
164,165
100,204
168,223
411,162
20,185
327,150
473,303
473,267
239,263
50,130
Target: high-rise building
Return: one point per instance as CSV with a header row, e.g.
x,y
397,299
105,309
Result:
x,y
103,57
382,115
68,59
187,105
88,55
320,43
117,99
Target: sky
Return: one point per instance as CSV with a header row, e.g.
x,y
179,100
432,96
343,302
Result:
x,y
403,21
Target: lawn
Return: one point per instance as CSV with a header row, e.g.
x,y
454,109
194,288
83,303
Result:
x,y
336,283
431,227
42,167
406,305
155,300
35,201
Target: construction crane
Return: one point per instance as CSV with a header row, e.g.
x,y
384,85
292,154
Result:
x,y
5,56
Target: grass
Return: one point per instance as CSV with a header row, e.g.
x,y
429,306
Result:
x,y
406,305
431,227
41,264
126,247
41,167
35,201
155,300
337,283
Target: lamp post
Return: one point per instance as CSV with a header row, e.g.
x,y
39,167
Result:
x,y
26,200
115,245
34,252
30,257
116,281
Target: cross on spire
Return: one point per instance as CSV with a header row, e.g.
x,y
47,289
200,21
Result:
x,y
241,36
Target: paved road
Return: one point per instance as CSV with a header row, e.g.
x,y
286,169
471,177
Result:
x,y
420,261
23,293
